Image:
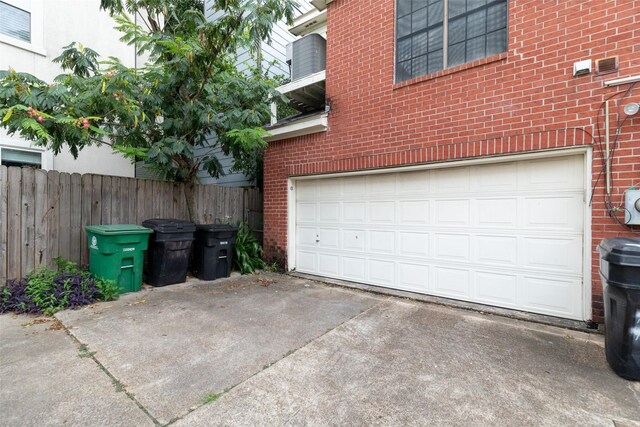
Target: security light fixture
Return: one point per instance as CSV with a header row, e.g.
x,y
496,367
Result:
x,y
631,108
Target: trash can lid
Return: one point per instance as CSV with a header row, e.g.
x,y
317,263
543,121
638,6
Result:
x,y
117,229
216,227
621,251
170,225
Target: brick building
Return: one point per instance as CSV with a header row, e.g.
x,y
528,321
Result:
x,y
461,152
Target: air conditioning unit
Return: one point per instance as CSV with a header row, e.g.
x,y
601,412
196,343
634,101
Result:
x,y
308,56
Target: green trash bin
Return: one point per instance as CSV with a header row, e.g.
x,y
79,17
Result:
x,y
116,252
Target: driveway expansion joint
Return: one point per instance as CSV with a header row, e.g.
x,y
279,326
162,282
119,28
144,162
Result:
x,y
85,351
270,364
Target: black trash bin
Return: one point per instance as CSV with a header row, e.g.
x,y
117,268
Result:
x,y
620,273
167,258
213,251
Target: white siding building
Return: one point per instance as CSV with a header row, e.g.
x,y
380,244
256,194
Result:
x,y
32,34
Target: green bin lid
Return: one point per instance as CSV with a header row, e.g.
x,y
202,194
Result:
x,y
117,229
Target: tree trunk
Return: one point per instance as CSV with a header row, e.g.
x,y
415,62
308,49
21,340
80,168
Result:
x,y
190,196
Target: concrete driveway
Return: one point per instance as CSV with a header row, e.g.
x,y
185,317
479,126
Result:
x,y
272,349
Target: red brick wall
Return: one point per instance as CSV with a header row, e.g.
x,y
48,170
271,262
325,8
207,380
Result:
x,y
515,102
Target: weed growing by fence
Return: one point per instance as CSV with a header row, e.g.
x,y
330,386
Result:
x,y
248,252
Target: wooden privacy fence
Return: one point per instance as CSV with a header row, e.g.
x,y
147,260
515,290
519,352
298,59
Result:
x,y
43,213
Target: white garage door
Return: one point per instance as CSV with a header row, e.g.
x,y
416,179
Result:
x,y
503,234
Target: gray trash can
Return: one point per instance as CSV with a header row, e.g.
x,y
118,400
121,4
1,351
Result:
x,y
620,273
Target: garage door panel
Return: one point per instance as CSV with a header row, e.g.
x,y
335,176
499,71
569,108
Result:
x,y
329,212
451,282
452,247
354,212
353,240
306,213
382,272
553,253
306,191
328,238
354,186
495,178
564,212
497,212
306,236
561,173
381,185
452,212
493,288
413,277
354,268
413,244
382,242
382,212
507,234
414,212
413,182
453,180
328,265
329,189
306,261
496,250
552,295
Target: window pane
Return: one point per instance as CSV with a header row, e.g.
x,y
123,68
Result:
x,y
474,4
456,7
435,39
19,157
419,4
476,24
419,44
403,71
436,13
457,30
420,66
404,50
435,61
15,22
478,32
404,26
404,7
497,42
497,17
456,55
419,20
475,49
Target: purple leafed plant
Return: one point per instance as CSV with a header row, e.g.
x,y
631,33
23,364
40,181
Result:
x,y
46,291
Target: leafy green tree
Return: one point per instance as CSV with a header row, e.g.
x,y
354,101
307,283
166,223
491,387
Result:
x,y
188,90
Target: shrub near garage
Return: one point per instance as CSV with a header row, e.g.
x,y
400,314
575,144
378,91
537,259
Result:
x,y
45,290
247,251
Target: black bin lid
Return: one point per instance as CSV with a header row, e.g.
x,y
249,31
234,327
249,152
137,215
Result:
x,y
216,227
169,225
621,251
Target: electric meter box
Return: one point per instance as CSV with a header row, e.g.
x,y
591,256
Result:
x,y
632,207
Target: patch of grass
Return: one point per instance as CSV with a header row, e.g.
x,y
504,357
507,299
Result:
x,y
211,397
118,386
84,351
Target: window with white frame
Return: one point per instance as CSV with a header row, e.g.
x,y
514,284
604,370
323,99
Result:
x,y
15,157
15,22
432,35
